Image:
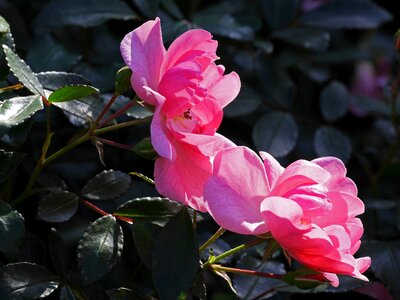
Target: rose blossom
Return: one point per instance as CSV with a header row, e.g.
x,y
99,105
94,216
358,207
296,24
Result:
x,y
310,208
188,91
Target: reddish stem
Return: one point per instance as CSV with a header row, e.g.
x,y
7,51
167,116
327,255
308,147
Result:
x,y
115,144
104,213
106,108
245,272
117,113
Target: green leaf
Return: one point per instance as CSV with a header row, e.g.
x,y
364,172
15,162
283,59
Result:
x,y
58,207
347,14
334,101
123,80
22,71
277,85
145,149
175,257
246,102
145,235
23,280
9,161
17,135
12,228
100,248
312,39
249,287
72,92
14,111
66,293
148,8
4,26
107,185
47,54
148,208
279,13
172,7
329,141
298,279
125,294
276,133
55,80
86,14
58,253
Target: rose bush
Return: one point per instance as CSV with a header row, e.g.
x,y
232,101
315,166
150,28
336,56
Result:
x,y
310,208
188,92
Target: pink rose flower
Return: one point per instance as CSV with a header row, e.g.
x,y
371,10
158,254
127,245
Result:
x,y
310,208
188,91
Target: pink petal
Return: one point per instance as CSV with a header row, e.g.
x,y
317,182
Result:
x,y
332,278
159,139
209,145
226,89
143,51
188,46
234,191
338,180
183,179
208,115
272,168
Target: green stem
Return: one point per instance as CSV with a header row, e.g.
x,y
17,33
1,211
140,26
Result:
x,y
212,239
245,272
121,125
233,251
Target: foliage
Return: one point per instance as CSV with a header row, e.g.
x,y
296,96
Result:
x,y
79,215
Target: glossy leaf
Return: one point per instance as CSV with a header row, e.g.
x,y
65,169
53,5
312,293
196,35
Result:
x,y
124,294
4,26
123,80
350,14
23,72
145,236
72,92
12,228
58,253
58,207
312,39
148,208
14,111
100,248
145,149
48,55
17,135
148,8
25,280
275,133
329,141
55,80
9,161
279,13
334,101
174,267
246,102
106,185
86,14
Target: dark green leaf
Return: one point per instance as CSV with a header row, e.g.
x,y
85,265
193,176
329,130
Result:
x,y
72,92
172,7
58,207
249,287
246,102
298,279
108,184
16,110
124,294
352,14
123,80
86,14
312,39
49,55
58,253
276,133
145,235
4,26
334,101
17,135
148,208
145,149
66,293
365,105
100,248
137,111
12,228
277,85
175,257
198,289
55,80
26,281
279,13
147,7
332,142
8,162
22,71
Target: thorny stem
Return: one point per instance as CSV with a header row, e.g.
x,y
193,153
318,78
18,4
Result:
x,y
104,213
232,251
212,239
244,272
